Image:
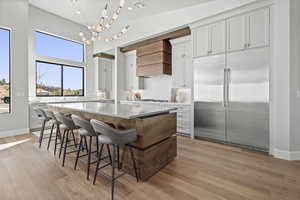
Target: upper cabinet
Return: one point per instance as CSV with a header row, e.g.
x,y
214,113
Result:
x,y
248,31
182,64
209,39
236,33
133,82
105,74
259,28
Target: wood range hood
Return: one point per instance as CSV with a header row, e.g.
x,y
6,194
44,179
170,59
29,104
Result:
x,y
154,56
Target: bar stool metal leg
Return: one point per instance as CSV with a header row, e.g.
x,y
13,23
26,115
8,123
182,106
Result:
x,y
78,152
113,172
98,164
42,133
89,158
62,143
65,148
56,137
50,137
109,154
74,139
134,164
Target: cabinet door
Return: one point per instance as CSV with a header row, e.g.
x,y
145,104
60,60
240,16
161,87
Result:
x,y
129,65
201,41
217,37
178,65
108,76
236,33
188,65
258,28
101,75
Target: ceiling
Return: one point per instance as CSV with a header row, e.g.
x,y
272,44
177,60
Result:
x,y
90,10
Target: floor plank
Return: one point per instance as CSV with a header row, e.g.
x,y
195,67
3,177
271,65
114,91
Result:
x,y
202,170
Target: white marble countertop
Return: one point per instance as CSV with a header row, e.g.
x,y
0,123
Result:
x,y
71,101
156,102
127,111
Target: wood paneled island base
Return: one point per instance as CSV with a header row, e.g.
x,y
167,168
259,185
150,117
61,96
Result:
x,y
156,145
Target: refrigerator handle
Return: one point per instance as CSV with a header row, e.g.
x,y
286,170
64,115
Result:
x,y
228,80
225,88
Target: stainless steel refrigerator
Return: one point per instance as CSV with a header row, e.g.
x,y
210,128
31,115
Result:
x,y
231,98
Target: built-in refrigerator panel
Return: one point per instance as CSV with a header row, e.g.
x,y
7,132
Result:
x,y
247,109
209,111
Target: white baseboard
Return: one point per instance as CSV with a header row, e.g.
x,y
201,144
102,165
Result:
x,y
287,155
4,134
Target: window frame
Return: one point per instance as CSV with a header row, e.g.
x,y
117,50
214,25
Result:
x,y
9,69
61,62
62,79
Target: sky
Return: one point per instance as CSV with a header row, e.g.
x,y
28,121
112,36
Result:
x,y
4,54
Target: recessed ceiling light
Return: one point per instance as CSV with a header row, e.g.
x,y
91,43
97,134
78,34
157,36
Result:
x,y
130,8
78,12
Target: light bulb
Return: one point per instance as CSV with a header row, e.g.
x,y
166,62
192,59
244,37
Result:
x,y
83,39
115,16
81,34
122,3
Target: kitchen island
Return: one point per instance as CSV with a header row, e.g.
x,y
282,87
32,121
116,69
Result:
x,y
156,145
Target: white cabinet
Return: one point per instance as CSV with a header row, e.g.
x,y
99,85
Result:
x,y
182,64
236,33
132,82
217,40
201,41
209,39
248,31
258,25
105,74
184,119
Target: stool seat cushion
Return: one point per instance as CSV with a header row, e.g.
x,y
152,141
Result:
x,y
84,132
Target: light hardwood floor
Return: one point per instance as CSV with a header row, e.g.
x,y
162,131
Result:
x,y
202,170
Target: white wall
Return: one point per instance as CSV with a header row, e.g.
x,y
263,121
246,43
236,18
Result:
x,y
14,15
157,87
280,85
47,22
295,77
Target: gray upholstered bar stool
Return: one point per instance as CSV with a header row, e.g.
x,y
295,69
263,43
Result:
x,y
116,138
56,123
69,127
86,130
42,116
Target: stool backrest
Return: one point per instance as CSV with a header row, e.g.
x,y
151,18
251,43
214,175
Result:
x,y
50,114
85,124
40,113
104,129
67,121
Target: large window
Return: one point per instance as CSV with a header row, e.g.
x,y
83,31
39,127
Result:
x,y
59,80
4,71
59,66
55,47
